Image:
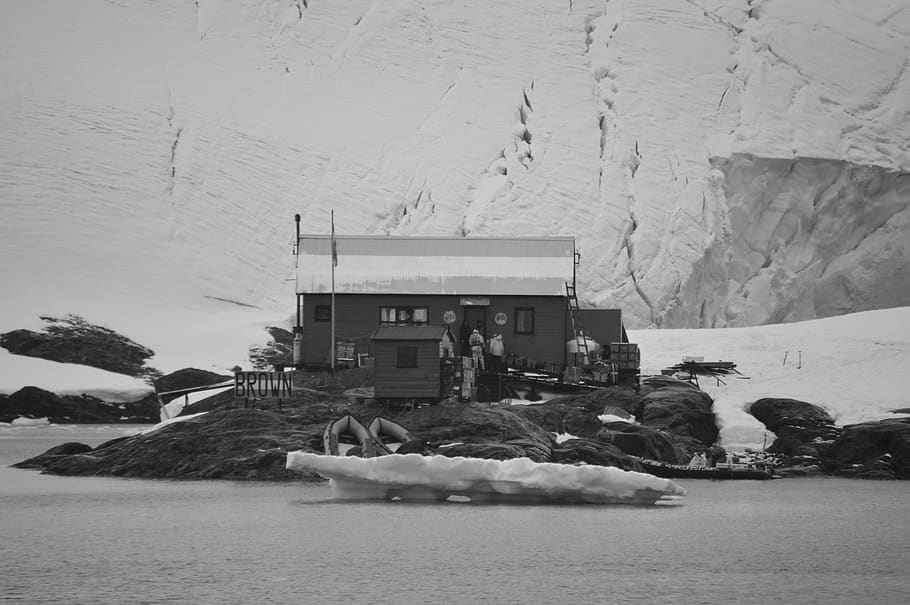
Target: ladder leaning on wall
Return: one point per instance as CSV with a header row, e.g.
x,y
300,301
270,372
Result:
x,y
581,340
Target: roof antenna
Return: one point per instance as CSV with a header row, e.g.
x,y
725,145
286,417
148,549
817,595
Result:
x,y
296,249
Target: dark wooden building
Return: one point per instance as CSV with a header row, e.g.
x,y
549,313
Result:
x,y
512,286
410,361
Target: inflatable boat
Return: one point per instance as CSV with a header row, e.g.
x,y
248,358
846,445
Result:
x,y
389,433
346,436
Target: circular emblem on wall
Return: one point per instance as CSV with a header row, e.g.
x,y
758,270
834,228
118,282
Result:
x,y
500,319
449,317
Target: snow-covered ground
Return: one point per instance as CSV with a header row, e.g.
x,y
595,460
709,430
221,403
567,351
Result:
x,y
856,366
17,371
153,154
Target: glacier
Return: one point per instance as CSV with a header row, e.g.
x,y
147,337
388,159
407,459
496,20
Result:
x,y
436,478
722,163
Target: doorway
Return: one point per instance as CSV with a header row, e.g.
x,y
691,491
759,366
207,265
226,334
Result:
x,y
474,315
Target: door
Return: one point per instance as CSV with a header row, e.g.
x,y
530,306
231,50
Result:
x,y
475,317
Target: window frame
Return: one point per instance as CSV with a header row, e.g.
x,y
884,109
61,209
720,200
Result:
x,y
519,312
396,310
322,313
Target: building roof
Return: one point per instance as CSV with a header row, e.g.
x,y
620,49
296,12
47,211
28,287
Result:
x,y
425,332
436,265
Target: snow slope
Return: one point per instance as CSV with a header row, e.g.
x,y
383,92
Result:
x,y
721,162
854,366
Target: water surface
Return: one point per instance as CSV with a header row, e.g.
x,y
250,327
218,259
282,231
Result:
x,y
108,540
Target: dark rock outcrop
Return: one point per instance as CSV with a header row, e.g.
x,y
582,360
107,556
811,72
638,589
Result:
x,y
623,397
643,441
682,410
32,402
72,339
874,450
592,451
804,432
188,378
228,444
810,443
561,416
240,439
488,450
473,423
55,453
676,418
417,446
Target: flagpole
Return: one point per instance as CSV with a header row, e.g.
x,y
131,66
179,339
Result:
x,y
334,260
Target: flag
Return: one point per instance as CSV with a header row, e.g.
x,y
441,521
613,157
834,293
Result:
x,y
334,246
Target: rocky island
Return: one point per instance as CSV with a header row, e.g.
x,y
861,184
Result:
x,y
666,419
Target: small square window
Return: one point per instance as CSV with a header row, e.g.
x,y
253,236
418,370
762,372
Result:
x,y
323,313
407,357
524,320
387,315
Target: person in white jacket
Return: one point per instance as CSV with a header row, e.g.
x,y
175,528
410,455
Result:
x,y
497,352
476,342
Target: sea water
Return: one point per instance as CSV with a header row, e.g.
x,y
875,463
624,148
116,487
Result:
x,y
109,540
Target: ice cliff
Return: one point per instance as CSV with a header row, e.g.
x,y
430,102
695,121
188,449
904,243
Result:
x,y
721,162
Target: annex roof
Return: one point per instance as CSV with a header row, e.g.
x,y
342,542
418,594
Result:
x,y
436,265
426,332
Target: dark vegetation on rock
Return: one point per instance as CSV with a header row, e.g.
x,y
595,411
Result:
x,y
72,339
227,444
236,441
879,450
188,378
32,402
808,442
667,420
804,432
644,442
277,352
682,411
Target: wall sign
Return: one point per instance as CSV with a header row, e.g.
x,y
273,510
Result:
x,y
449,316
475,301
501,319
262,384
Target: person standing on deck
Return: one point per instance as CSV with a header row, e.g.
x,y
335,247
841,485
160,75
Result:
x,y
464,338
476,342
497,350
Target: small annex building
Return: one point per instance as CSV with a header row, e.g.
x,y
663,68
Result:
x,y
412,361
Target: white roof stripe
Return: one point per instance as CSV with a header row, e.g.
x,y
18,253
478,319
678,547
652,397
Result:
x,y
423,265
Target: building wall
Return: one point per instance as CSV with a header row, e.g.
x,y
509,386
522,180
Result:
x,y
357,315
603,325
420,382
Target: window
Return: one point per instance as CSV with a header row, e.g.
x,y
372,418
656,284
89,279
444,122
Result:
x,y
524,320
406,358
403,316
323,313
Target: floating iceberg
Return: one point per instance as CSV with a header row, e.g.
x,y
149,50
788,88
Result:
x,y
23,421
436,478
